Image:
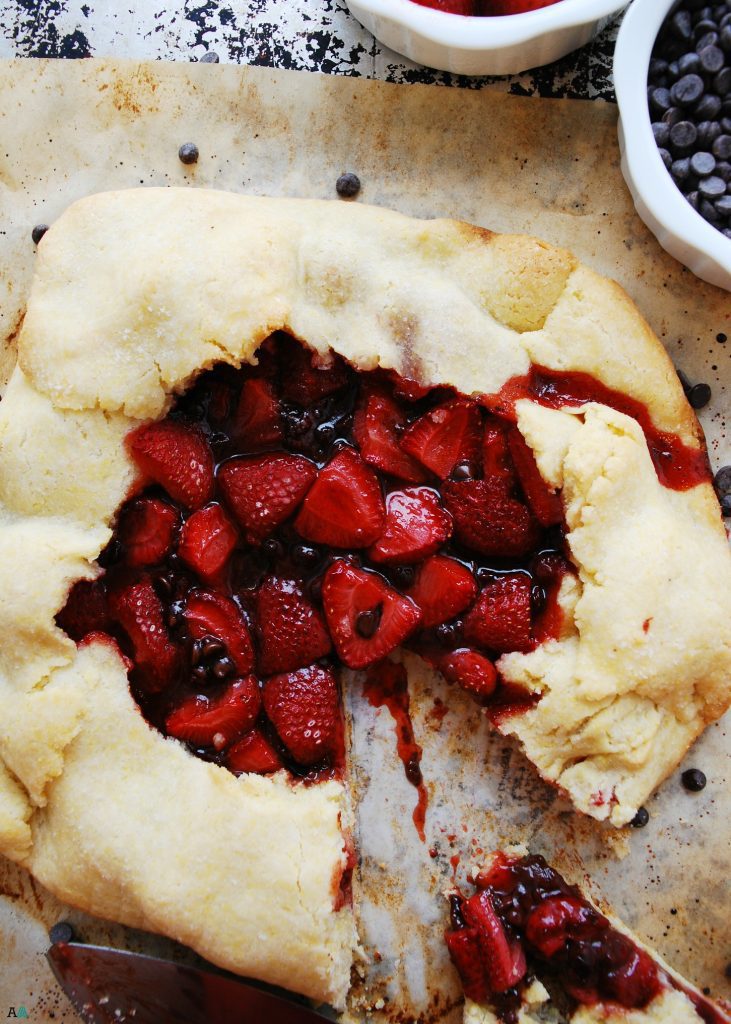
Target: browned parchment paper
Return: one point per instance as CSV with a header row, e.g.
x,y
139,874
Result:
x,y
550,168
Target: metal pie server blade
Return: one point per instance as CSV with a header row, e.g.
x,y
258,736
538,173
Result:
x,y
116,986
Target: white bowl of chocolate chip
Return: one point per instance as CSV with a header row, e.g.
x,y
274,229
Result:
x,y
672,70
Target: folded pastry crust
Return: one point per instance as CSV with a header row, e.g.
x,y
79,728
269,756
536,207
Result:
x,y
134,294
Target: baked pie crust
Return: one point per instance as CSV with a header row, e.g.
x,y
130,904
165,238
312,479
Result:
x,y
134,294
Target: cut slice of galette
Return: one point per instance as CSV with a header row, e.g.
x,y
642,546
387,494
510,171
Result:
x,y
251,441
529,947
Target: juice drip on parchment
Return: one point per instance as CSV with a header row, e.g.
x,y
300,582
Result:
x,y
386,685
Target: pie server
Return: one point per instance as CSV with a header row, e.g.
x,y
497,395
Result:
x,y
116,986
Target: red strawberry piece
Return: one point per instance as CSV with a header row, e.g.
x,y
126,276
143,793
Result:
x,y
376,426
496,462
499,874
292,632
306,378
253,753
344,507
140,613
85,610
472,671
217,721
543,502
207,540
219,397
208,614
500,619
466,954
504,960
406,387
635,982
445,436
488,520
551,924
176,456
257,422
304,709
500,7
264,490
367,618
416,525
146,529
451,6
442,589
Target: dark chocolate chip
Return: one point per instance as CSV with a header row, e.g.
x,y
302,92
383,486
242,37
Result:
x,y
210,58
661,131
687,90
188,153
62,931
700,396
726,499
348,185
694,780
680,169
721,147
683,135
708,107
712,59
702,164
640,819
367,622
660,100
712,187
38,232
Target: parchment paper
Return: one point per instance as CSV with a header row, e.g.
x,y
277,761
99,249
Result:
x,y
550,168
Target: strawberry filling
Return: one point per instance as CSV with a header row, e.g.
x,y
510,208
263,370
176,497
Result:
x,y
296,515
523,919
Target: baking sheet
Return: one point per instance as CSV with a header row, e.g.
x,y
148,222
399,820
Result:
x,y
550,168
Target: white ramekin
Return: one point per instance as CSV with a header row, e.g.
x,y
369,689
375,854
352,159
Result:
x,y
484,46
679,229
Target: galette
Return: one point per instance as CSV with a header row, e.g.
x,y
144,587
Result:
x,y
249,443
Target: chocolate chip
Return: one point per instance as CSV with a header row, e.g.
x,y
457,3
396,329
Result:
x,y
712,187
700,396
702,164
210,58
726,499
62,931
188,153
687,90
640,819
708,107
722,481
694,780
683,135
661,131
660,100
367,622
708,132
463,471
211,647
272,548
222,668
38,232
721,147
712,59
348,185
680,169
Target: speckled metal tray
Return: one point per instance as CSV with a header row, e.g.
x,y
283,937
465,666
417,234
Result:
x,y
68,129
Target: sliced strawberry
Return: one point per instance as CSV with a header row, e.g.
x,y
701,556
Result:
x,y
544,503
376,426
253,753
208,614
264,490
496,463
489,521
466,955
216,722
176,456
139,611
257,422
344,507
85,611
472,671
449,434
416,525
146,529
406,387
367,618
504,961
442,589
207,540
468,7
292,632
558,919
304,382
304,708
500,620
500,7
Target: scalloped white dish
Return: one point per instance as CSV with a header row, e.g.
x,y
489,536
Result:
x,y
679,229
487,45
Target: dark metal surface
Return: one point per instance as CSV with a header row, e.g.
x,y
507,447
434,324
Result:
x,y
114,986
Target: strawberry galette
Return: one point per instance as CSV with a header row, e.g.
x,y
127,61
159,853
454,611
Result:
x,y
530,947
251,442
